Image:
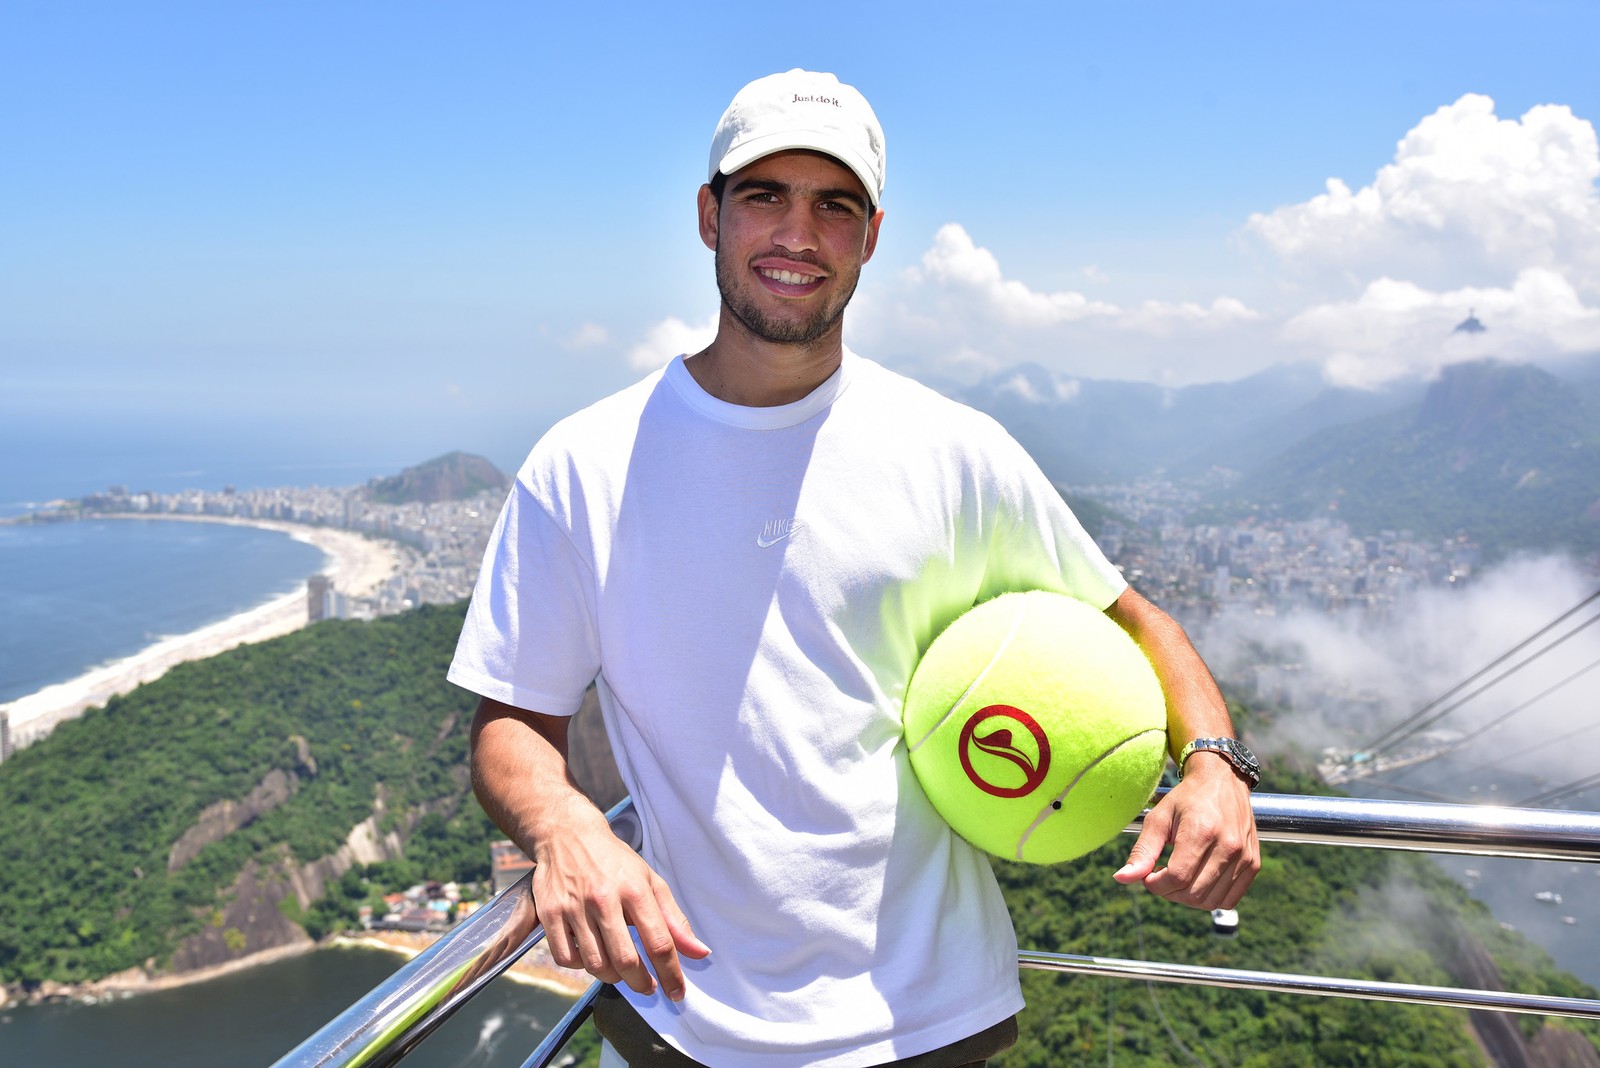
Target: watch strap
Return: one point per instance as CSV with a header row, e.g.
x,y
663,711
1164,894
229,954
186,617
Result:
x,y
1238,756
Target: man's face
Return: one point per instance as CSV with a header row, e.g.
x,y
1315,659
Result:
x,y
791,234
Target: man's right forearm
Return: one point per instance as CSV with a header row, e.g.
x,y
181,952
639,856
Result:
x,y
521,778
589,887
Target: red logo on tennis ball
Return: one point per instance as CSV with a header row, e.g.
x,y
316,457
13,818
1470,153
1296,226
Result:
x,y
996,740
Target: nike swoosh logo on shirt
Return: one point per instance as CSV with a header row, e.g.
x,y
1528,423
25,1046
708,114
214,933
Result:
x,y
775,531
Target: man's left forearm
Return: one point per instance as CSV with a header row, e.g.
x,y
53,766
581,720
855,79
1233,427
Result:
x,y
1195,708
1206,819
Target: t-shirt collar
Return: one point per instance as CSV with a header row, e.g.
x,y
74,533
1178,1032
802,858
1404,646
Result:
x,y
773,418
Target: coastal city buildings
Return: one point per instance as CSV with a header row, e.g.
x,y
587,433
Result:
x,y
440,544
1193,569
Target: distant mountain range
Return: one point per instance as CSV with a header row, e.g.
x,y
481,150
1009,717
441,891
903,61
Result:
x,y
1086,430
1508,454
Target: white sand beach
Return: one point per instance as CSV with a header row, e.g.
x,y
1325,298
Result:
x,y
356,565
535,967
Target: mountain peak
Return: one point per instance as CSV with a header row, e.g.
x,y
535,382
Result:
x,y
454,476
1474,398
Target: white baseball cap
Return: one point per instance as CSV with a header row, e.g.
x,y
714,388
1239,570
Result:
x,y
801,109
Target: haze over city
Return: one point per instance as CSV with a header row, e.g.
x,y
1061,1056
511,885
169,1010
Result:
x,y
390,230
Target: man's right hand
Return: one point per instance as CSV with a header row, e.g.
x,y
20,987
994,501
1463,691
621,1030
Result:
x,y
588,885
590,888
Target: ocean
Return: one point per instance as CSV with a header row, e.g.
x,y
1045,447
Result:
x,y
81,594
256,1016
44,459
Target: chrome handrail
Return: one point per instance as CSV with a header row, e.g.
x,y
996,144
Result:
x,y
1324,986
382,1027
1426,827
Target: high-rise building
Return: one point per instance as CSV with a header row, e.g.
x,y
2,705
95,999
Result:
x,y
318,589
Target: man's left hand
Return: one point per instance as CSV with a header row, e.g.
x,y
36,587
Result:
x,y
1208,822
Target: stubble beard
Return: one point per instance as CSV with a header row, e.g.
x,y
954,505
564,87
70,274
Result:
x,y
804,331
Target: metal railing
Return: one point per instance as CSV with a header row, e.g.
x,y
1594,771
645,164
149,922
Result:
x,y
384,1026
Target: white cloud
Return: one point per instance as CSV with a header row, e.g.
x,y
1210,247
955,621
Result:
x,y
589,336
667,339
1397,327
956,313
1435,638
1168,320
1056,389
1470,198
960,268
956,271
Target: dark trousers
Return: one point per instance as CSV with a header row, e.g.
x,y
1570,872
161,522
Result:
x,y
621,1025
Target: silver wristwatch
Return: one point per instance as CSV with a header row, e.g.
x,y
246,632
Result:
x,y
1232,750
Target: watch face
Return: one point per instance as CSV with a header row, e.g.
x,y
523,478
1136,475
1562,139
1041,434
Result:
x,y
1244,760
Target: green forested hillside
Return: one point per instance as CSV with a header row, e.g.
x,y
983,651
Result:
x,y
1506,454
348,713
89,817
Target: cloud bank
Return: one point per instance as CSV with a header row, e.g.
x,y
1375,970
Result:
x,y
957,314
1345,680
1470,198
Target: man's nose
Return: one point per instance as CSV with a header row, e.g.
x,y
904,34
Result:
x,y
797,230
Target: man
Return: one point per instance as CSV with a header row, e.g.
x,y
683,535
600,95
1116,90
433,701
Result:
x,y
747,552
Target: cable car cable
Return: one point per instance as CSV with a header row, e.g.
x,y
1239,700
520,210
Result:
x,y
1384,737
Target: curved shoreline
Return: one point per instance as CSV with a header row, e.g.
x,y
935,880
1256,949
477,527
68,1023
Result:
x,y
356,565
533,969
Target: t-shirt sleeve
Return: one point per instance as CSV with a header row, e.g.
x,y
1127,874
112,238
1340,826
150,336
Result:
x,y
530,638
1039,543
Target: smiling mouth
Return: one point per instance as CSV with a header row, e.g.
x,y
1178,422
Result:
x,y
788,278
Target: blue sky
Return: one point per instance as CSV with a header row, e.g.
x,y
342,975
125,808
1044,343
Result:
x,y
424,227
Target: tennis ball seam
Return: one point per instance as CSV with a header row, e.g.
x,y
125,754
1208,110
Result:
x,y
999,652
1050,809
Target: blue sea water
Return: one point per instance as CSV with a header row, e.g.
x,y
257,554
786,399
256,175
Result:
x,y
255,1016
82,594
44,459
78,595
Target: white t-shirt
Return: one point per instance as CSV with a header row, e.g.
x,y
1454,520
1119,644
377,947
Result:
x,y
753,587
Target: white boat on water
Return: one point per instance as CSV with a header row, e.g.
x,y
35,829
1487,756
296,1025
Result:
x,y
1549,897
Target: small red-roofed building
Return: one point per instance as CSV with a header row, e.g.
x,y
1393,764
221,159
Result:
x,y
508,864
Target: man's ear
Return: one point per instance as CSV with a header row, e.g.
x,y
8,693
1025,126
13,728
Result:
x,y
709,211
872,235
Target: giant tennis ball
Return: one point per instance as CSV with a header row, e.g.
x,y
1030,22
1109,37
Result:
x,y
1036,727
